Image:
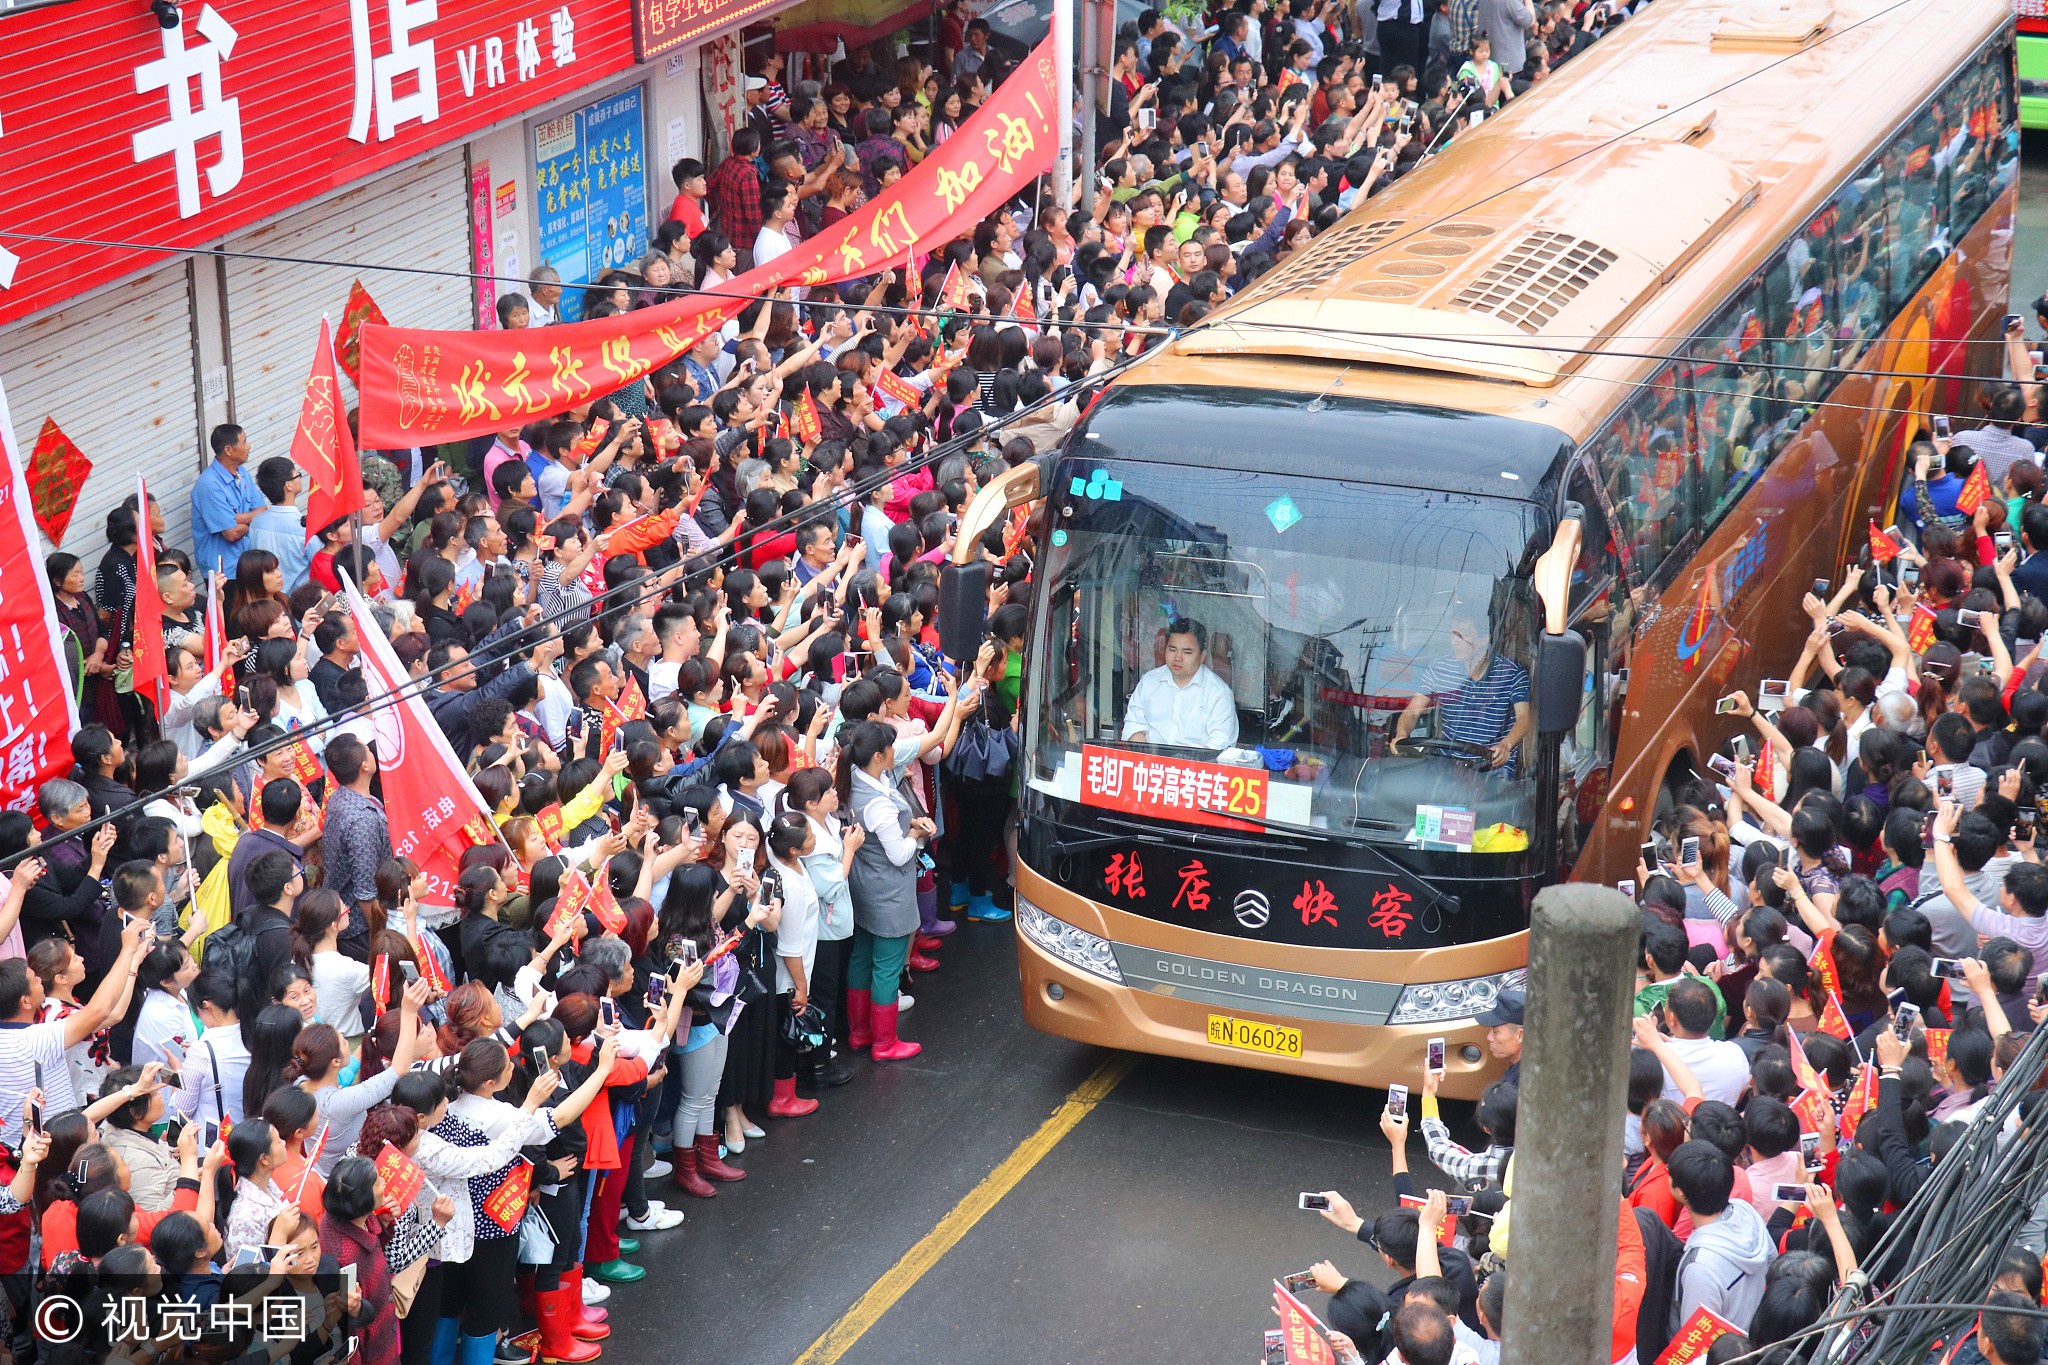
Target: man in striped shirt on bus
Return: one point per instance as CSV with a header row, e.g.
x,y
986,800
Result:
x,y
1481,695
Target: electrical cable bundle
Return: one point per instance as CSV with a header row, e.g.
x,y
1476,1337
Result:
x,y
1934,1264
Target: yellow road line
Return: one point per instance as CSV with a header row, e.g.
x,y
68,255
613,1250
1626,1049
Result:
x,y
839,1338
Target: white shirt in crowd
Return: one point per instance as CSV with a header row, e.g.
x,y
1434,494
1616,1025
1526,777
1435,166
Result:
x,y
1722,1069
1201,715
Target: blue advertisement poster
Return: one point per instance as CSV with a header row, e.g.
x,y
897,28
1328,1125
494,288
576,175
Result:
x,y
590,187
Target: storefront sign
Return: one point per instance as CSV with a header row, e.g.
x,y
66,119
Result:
x,y
663,25
589,175
245,110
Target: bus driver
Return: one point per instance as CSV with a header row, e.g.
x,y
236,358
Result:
x,y
1482,694
1182,703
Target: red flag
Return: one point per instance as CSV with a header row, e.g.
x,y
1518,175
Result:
x,y
1695,1335
809,427
1883,549
897,389
632,701
35,687
1803,1070
1920,633
506,1204
1833,1020
360,310
380,983
1303,1336
152,675
321,446
1861,1097
1765,778
1808,1106
428,798
1976,490
402,1178
1022,310
550,818
1937,1047
216,626
604,904
953,296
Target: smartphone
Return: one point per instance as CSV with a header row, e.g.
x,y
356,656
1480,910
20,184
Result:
x,y
2014,324
32,1116
1316,1202
1148,119
1743,749
1276,1347
348,1281
1820,588
1968,619
1927,830
1299,1281
1721,764
2024,828
250,1258
412,973
745,857
1648,850
1627,887
208,1135
1771,694
1941,427
1910,576
1397,1101
2003,540
242,698
173,1130
1944,781
1903,1019
1789,1194
1689,851
657,990
608,1011
2040,373
1728,705
1457,1205
1809,1151
1436,1056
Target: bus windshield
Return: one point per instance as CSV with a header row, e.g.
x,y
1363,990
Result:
x,y
1358,652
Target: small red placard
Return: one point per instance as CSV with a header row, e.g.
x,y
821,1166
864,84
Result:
x,y
1172,788
403,1179
57,469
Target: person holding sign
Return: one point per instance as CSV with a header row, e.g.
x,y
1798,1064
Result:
x,y
1181,703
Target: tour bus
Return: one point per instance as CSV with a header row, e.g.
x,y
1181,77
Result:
x,y
1405,584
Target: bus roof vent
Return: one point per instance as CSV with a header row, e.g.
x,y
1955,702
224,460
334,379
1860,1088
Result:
x,y
1778,28
1336,251
1536,278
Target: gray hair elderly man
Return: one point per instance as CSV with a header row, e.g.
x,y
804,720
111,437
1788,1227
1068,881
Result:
x,y
543,297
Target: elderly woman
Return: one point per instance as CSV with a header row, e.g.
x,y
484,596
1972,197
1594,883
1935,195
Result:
x,y
65,903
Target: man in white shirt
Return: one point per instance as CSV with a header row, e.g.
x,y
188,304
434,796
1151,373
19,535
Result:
x,y
1182,703
778,208
1722,1069
28,1047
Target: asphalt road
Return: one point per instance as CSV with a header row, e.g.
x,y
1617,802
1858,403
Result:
x,y
1150,1231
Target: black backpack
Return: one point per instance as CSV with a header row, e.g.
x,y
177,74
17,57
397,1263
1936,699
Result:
x,y
231,951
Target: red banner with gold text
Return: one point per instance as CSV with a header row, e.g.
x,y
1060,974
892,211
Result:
x,y
424,388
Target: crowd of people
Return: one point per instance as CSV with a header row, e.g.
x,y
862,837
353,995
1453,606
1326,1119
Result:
x,y
683,640
1843,949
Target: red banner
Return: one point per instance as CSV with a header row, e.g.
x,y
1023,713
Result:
x,y
38,713
1808,1105
321,445
1172,788
1833,1020
1695,1335
809,427
550,820
1937,1047
1862,1096
146,617
428,797
1300,1332
423,388
1976,489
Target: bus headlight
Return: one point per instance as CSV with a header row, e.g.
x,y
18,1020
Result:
x,y
1431,1001
1075,947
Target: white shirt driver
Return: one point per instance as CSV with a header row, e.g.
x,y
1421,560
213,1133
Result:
x,y
1201,715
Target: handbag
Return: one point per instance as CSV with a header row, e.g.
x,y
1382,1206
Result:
x,y
980,752
405,1285
751,987
537,1240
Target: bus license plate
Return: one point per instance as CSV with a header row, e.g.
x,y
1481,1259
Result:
x,y
1275,1039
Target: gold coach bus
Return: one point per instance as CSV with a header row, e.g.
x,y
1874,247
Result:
x,y
1405,584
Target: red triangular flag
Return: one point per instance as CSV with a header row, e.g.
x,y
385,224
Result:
x,y
1303,1336
953,296
1862,1096
632,701
147,616
897,389
809,426
322,447
1765,778
1021,309
1808,1106
1883,549
1920,633
1976,490
1803,1070
1832,1018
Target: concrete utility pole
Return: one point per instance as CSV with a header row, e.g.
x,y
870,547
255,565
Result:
x,y
1568,1159
1063,95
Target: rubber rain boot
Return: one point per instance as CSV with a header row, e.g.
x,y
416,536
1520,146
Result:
x,y
787,1104
710,1166
983,910
888,1047
859,1013
618,1272
687,1178
558,1321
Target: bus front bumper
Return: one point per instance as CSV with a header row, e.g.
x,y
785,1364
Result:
x,y
1069,1002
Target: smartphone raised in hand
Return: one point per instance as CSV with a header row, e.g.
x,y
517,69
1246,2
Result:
x,y
1313,1201
1435,1063
1397,1101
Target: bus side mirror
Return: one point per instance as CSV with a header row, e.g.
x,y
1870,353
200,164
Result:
x,y
1560,684
963,609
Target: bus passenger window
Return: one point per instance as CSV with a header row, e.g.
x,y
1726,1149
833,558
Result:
x,y
1649,475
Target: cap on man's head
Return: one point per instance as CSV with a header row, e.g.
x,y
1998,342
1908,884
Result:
x,y
1508,1008
756,83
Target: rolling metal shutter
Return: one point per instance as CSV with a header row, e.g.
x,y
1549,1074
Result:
x,y
115,371
416,216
